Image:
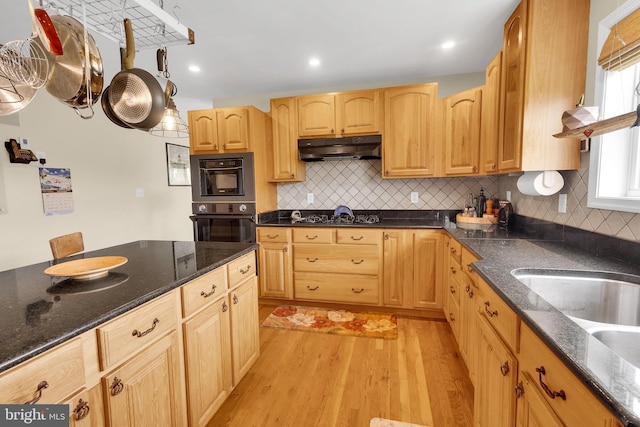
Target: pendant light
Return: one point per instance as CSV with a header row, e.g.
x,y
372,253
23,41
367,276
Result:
x,y
171,125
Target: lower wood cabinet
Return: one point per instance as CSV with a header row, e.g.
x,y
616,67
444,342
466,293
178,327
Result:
x,y
413,268
274,255
494,399
207,345
86,408
245,340
148,390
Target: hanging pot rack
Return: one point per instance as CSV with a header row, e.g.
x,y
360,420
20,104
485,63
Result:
x,y
152,24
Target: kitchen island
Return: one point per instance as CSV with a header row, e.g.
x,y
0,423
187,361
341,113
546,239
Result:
x,y
38,312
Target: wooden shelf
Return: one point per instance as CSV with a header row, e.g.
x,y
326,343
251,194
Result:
x,y
601,127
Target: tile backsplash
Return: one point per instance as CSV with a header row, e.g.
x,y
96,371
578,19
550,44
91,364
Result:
x,y
623,225
359,185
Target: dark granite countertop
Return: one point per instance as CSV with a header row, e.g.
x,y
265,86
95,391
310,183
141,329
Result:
x,y
36,314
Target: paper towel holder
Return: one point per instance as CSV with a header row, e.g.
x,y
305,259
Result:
x,y
540,183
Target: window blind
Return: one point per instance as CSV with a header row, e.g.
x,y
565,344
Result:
x,y
622,47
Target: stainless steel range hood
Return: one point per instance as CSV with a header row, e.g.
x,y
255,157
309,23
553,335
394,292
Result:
x,y
346,148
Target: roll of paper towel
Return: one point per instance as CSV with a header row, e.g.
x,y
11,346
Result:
x,y
540,183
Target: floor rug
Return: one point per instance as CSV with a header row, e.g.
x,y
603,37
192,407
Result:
x,y
338,322
382,422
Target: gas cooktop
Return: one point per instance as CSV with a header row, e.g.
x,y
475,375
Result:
x,y
338,219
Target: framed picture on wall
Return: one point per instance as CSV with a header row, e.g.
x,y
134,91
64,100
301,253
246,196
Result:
x,y
178,169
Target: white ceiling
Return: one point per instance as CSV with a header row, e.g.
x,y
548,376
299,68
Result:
x,y
249,47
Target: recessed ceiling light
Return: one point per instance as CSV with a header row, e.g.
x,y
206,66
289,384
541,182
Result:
x,y
448,44
194,68
314,62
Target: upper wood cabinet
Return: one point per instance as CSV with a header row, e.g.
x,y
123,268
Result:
x,y
490,123
338,114
410,131
224,130
285,165
543,74
462,132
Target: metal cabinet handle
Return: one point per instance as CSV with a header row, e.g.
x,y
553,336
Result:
x,y
225,307
207,295
474,169
490,313
311,237
81,410
504,369
453,270
469,268
519,390
452,289
274,236
137,333
312,259
333,130
285,249
116,386
357,291
386,236
215,146
357,238
552,394
245,271
312,289
224,146
451,317
453,251
357,262
41,386
235,299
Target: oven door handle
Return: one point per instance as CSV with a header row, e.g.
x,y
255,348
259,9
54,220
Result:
x,y
214,216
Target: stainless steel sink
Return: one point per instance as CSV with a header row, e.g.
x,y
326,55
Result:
x,y
603,297
606,305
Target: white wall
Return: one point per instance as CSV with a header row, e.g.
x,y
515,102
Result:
x,y
107,164
447,85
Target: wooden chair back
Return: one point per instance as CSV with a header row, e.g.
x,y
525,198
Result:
x,y
66,245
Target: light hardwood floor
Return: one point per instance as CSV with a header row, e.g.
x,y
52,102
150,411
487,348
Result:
x,y
305,379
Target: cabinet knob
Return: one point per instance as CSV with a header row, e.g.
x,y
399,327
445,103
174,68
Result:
x,y
333,130
519,390
215,146
293,175
504,369
81,410
224,146
490,313
386,236
225,307
235,299
116,386
342,130
474,169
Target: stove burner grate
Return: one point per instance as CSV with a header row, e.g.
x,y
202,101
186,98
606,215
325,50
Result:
x,y
339,219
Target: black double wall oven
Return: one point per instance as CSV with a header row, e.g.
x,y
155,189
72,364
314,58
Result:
x,y
224,199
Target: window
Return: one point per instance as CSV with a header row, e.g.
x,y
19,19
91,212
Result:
x,y
614,172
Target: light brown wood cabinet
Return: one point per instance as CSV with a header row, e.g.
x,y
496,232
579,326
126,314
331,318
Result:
x,y
543,74
226,130
337,265
411,131
508,362
245,340
412,269
463,113
339,114
490,123
148,389
86,408
572,405
286,167
274,255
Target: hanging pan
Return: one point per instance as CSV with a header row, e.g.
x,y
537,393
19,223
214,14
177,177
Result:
x,y
134,96
76,77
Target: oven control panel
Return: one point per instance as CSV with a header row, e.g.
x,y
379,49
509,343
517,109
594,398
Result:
x,y
232,208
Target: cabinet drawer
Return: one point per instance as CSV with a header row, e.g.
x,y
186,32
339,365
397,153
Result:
x,y
455,250
336,287
126,334
203,290
353,259
358,236
273,234
499,315
241,269
313,235
453,290
580,406
62,368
